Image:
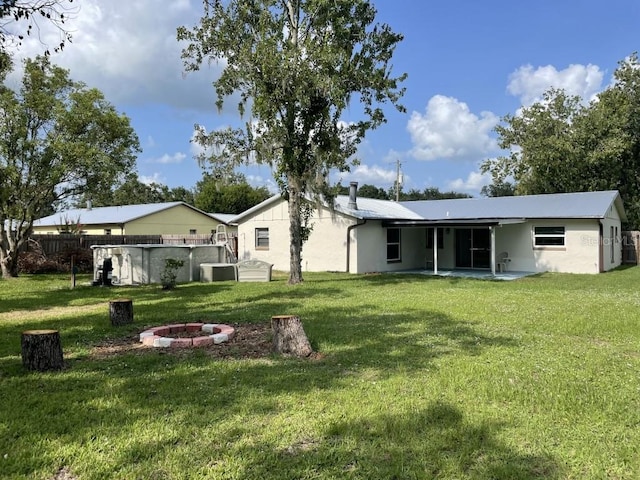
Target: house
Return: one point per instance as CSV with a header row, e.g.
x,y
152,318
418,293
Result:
x,y
177,218
567,232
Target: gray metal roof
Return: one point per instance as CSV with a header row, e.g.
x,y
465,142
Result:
x,y
368,208
108,215
557,205
223,217
495,210
373,209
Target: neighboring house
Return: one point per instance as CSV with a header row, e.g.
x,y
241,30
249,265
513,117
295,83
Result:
x,y
177,218
568,232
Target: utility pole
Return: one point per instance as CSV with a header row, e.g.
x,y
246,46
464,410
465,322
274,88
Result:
x,y
398,180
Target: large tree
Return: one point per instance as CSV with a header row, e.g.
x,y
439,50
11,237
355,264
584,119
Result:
x,y
232,195
295,65
58,140
562,145
130,190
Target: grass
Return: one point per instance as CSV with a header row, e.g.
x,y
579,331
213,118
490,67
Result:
x,y
420,378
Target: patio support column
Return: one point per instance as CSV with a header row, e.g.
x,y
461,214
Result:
x,y
493,250
435,250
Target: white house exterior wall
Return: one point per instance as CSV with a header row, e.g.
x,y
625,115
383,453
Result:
x,y
371,247
611,243
328,248
580,254
325,250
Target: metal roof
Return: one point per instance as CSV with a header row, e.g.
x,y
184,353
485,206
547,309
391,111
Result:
x,y
373,209
109,215
557,205
223,217
495,210
368,208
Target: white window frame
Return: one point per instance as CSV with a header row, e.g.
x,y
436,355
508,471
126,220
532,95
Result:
x,y
262,238
544,236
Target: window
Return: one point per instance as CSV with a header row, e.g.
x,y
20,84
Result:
x,y
193,231
393,245
440,238
262,239
548,236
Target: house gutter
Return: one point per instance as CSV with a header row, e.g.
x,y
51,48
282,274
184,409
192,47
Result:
x,y
349,229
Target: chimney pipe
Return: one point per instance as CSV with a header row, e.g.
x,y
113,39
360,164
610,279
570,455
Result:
x,y
88,204
353,190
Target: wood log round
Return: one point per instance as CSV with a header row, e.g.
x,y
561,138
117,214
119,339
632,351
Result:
x,y
121,311
42,350
289,337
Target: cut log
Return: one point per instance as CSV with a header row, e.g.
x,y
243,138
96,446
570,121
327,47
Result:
x,y
121,311
289,337
42,350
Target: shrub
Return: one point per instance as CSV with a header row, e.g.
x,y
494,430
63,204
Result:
x,y
170,273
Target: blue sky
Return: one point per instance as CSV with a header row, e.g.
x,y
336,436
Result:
x,y
469,63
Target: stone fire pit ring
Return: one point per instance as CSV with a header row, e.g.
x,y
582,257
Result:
x,y
213,334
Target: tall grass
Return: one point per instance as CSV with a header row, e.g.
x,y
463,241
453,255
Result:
x,y
420,377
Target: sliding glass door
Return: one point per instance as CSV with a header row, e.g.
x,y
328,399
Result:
x,y
473,247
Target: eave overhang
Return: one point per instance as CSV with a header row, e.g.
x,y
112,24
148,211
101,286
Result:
x,y
468,222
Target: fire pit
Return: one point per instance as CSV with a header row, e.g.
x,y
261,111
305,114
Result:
x,y
186,335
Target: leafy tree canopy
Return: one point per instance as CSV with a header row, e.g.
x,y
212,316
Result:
x,y
131,191
296,65
562,145
498,189
58,140
232,196
430,193
366,191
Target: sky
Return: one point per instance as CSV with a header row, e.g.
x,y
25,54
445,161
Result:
x,y
469,63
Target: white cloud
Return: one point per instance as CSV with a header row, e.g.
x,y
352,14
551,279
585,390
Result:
x,y
472,184
166,159
129,51
258,181
529,84
372,175
154,178
448,129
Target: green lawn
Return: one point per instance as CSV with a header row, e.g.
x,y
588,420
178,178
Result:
x,y
419,378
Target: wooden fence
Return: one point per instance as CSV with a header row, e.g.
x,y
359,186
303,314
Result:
x,y
630,247
52,244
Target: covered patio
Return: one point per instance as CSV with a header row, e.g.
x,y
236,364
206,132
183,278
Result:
x,y
473,248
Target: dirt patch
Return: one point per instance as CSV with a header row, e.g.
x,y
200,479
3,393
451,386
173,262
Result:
x,y
250,341
64,474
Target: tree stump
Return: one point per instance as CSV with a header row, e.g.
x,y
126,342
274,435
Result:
x,y
289,337
42,350
121,311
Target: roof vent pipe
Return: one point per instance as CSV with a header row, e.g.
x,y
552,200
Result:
x,y
353,190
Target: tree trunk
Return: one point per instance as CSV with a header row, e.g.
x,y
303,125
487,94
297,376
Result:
x,y
289,337
11,243
121,311
42,350
295,234
9,265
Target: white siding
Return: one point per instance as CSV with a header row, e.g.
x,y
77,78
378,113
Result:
x,y
328,248
580,254
325,250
